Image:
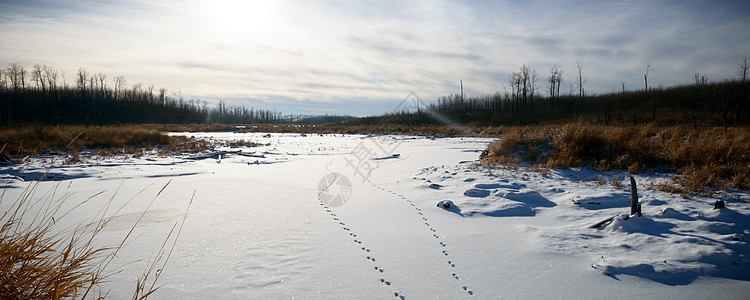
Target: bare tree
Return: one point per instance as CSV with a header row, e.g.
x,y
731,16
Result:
x,y
645,75
554,82
162,96
580,80
532,81
700,79
50,75
559,81
136,91
81,76
92,85
38,77
523,85
16,74
742,69
3,81
150,94
515,84
22,74
524,77
102,81
119,85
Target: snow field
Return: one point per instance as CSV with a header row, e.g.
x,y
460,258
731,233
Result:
x,y
267,225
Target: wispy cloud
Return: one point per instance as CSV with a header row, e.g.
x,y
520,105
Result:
x,y
363,56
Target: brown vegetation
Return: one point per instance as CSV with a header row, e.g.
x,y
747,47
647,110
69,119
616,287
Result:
x,y
703,158
36,262
351,127
32,140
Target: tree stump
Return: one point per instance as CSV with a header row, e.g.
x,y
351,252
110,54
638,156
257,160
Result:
x,y
719,204
634,206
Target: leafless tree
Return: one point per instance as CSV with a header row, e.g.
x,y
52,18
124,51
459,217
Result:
x,y
645,75
92,85
162,95
532,82
22,74
17,76
50,75
81,77
65,80
38,77
580,80
150,94
3,81
102,81
119,82
554,82
700,79
136,91
524,72
514,79
10,72
742,69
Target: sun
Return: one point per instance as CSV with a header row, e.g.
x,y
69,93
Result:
x,y
238,17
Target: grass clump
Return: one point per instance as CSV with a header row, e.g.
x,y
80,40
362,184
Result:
x,y
704,159
39,262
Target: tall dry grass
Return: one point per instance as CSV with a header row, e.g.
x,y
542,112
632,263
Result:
x,y
32,140
704,158
38,261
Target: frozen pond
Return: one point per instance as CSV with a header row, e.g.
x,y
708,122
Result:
x,y
354,216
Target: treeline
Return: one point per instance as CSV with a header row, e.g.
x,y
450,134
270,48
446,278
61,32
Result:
x,y
39,96
725,103
711,103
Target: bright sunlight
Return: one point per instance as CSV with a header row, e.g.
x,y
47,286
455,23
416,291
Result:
x,y
238,17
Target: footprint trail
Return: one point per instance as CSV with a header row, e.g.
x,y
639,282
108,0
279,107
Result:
x,y
426,223
359,243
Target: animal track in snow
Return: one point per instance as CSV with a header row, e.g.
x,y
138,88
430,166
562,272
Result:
x,y
479,193
378,269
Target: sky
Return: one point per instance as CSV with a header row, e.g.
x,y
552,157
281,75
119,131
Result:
x,y
364,57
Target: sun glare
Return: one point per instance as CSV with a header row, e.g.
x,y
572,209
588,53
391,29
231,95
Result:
x,y
237,17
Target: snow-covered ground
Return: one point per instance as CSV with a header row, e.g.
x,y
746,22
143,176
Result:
x,y
342,217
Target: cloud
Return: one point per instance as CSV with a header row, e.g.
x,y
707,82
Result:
x,y
364,56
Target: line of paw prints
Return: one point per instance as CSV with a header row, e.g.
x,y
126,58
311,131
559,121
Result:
x,y
433,231
426,223
363,247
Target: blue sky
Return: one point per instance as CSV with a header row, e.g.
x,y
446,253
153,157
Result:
x,y
364,57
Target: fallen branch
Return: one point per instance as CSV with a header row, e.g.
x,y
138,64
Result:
x,y
603,222
213,154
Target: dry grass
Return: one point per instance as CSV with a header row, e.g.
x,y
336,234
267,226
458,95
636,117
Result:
x,y
18,142
36,262
436,130
704,158
350,127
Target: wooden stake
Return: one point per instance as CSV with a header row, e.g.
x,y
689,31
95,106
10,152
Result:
x,y
634,207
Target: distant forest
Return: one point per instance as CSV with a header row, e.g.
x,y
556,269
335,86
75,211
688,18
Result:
x,y
39,96
526,102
